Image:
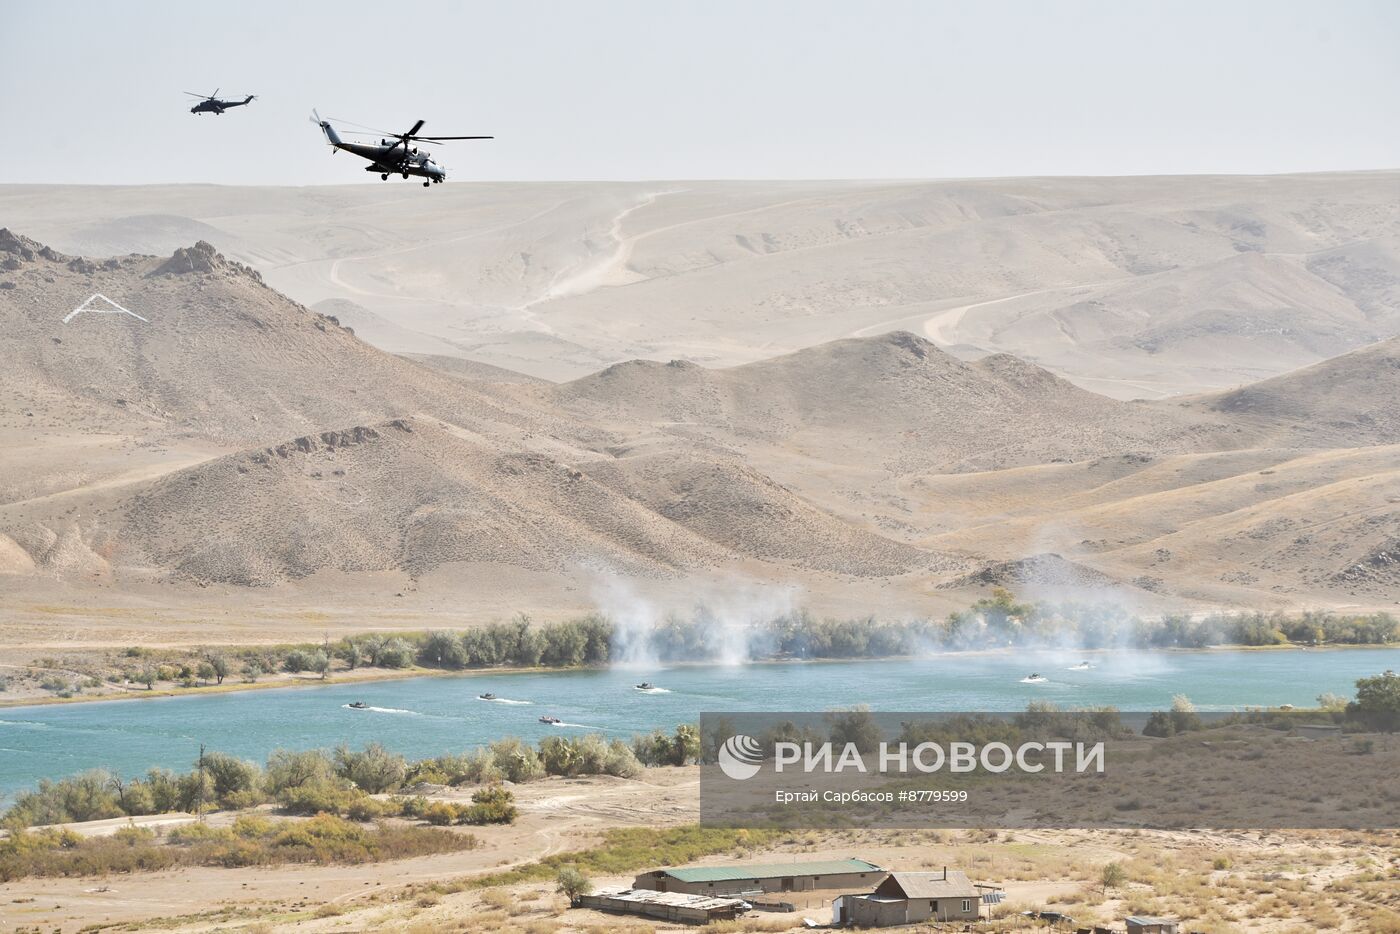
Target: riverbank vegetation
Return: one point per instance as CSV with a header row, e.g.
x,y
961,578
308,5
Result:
x,y
374,783
251,840
363,785
997,621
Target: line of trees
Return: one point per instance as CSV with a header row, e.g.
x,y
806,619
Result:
x,y
996,621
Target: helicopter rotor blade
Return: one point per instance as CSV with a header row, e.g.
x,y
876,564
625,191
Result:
x,y
439,139
384,133
416,127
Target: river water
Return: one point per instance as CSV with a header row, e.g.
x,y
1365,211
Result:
x,y
428,716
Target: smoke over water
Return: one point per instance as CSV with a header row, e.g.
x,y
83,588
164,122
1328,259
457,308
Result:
x,y
728,622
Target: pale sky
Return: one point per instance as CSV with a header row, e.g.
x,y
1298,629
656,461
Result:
x,y
90,92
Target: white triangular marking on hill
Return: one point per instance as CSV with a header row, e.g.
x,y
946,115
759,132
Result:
x,y
114,310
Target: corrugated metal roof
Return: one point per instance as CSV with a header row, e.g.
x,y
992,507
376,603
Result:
x,y
675,899
829,867
1145,919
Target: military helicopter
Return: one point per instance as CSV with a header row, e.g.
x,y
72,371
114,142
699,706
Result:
x,y
210,103
396,157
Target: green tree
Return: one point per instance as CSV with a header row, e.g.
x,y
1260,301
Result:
x,y
230,775
1113,876
1184,716
205,672
572,883
349,651
373,769
287,769
443,650
1378,701
856,727
220,666
687,744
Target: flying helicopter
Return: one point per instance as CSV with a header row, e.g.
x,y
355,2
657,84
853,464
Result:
x,y
210,103
393,154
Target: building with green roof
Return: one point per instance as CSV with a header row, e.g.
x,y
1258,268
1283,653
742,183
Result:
x,y
762,877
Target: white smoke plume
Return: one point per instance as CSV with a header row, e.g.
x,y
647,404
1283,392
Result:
x,y
731,615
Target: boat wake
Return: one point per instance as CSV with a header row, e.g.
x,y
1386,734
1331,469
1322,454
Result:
x,y
505,700
397,710
651,690
1034,680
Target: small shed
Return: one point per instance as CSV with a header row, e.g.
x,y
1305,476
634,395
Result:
x,y
665,906
1142,924
762,877
911,897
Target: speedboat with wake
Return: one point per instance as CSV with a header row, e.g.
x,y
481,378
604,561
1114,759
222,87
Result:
x,y
487,696
358,705
552,721
645,686
1034,677
1082,666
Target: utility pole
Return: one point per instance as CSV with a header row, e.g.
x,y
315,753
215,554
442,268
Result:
x,y
199,807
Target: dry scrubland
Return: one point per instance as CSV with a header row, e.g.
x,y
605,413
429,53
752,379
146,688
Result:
x,y
612,828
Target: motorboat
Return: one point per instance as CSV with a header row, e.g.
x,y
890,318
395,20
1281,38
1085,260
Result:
x,y
645,686
358,705
552,721
487,696
1082,666
1034,677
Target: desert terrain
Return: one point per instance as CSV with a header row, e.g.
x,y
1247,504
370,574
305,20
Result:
x,y
1131,287
339,409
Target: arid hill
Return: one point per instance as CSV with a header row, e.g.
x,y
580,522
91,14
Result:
x,y
207,349
395,467
219,439
1346,401
893,401
1137,287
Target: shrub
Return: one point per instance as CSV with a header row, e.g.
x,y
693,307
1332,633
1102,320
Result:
x,y
319,797
364,808
494,805
515,761
440,813
231,776
374,769
288,770
250,841
298,660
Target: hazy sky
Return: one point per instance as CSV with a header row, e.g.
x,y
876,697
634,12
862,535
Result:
x,y
90,92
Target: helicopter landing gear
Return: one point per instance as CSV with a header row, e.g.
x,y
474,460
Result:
x,y
426,184
405,176
384,177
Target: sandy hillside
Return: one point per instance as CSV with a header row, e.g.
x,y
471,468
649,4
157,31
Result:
x,y
1133,287
234,447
